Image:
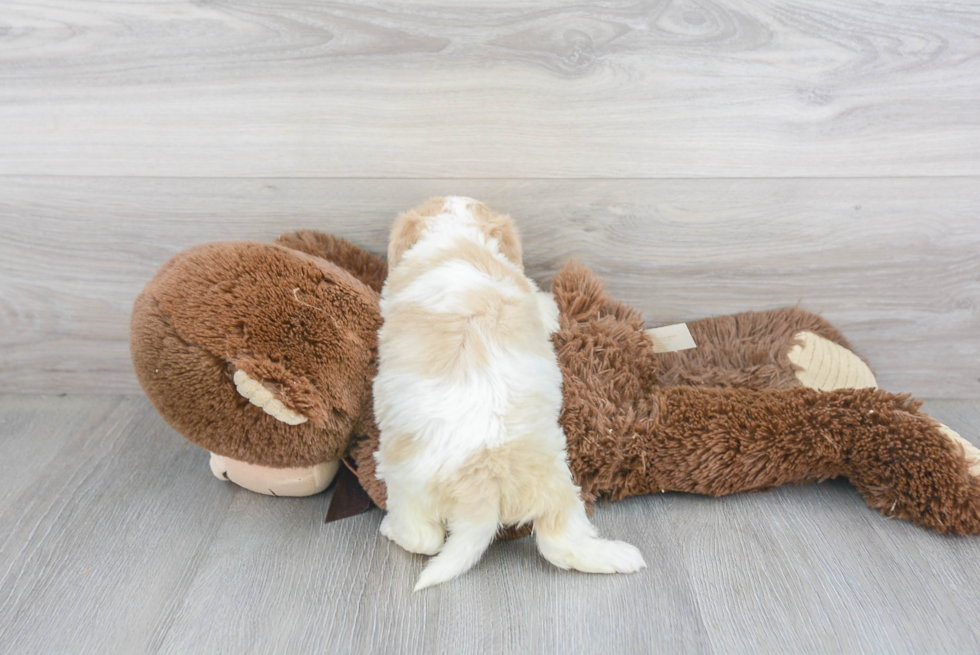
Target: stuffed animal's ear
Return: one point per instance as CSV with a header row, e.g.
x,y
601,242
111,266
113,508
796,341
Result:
x,y
408,228
368,268
499,227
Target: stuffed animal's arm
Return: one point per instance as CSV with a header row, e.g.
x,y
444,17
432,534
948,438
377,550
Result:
x,y
778,349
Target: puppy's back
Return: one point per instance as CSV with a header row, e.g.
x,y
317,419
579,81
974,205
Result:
x,y
462,341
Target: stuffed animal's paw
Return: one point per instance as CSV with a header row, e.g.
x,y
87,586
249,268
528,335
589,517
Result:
x,y
826,366
259,396
971,452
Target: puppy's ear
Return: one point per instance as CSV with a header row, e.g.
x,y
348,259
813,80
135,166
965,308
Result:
x,y
408,228
502,228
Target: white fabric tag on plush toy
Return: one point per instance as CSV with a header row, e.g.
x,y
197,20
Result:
x,y
671,338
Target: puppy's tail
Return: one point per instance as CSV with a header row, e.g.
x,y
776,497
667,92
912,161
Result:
x,y
464,546
569,541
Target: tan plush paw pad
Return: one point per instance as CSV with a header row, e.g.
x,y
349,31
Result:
x,y
259,396
972,452
826,366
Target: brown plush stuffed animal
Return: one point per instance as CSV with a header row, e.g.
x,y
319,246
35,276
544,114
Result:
x,y
263,354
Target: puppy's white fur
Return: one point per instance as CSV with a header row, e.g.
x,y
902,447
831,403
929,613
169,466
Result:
x,y
467,399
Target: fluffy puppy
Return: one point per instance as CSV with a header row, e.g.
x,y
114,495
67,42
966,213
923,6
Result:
x,y
467,398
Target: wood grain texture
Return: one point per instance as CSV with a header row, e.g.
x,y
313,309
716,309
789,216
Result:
x,y
116,538
666,88
895,264
93,553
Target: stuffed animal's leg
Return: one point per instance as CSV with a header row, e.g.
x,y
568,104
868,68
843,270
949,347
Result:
x,y
779,349
718,442
922,471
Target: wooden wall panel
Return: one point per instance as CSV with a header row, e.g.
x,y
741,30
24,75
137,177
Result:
x,y
894,263
624,89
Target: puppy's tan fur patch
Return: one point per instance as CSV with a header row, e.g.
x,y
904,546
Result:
x,y
399,447
499,227
462,249
408,227
432,343
439,343
521,474
513,321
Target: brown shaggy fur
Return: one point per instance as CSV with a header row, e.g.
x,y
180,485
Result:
x,y
746,350
302,325
628,434
724,418
367,268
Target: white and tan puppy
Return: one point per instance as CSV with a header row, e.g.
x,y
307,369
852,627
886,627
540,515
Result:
x,y
467,398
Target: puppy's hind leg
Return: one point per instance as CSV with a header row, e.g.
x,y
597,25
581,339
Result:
x,y
409,523
567,539
466,543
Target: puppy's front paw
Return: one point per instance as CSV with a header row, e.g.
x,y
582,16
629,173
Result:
x,y
422,538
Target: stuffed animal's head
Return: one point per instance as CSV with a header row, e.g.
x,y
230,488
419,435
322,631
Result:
x,y
300,328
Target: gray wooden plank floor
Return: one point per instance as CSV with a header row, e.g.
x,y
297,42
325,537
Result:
x,y
116,538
